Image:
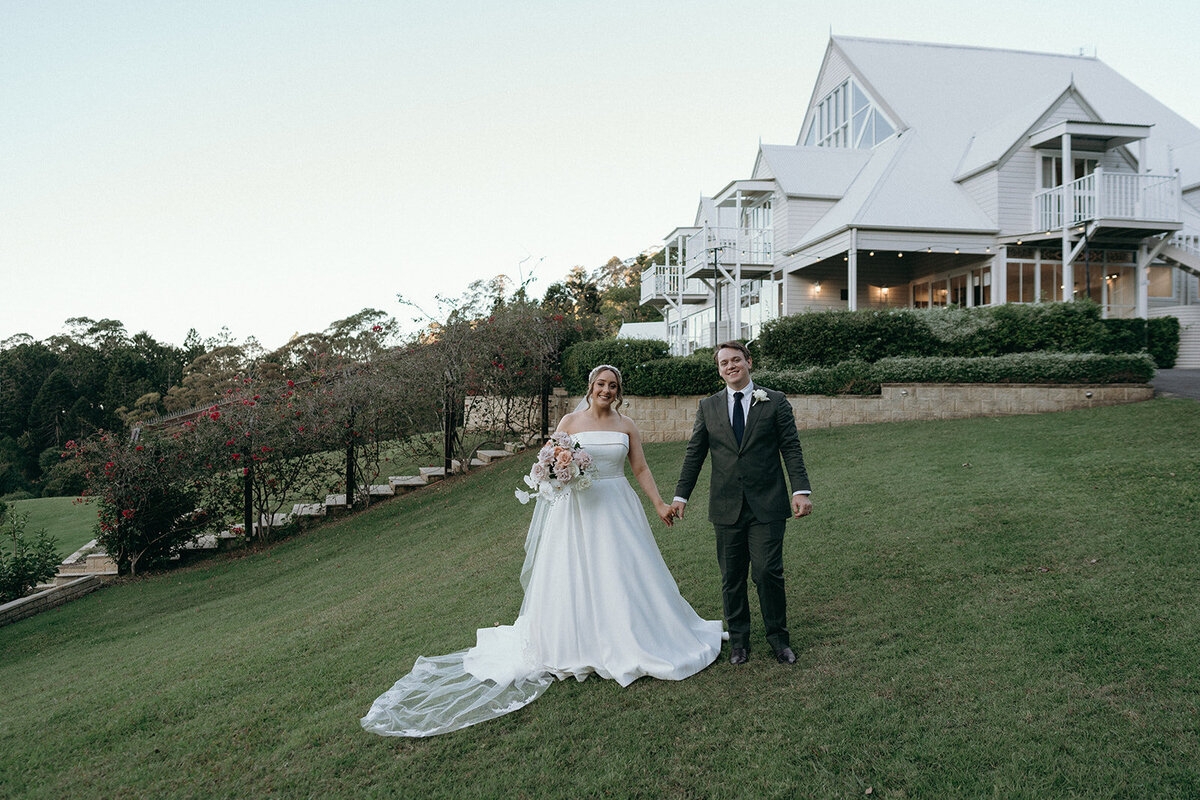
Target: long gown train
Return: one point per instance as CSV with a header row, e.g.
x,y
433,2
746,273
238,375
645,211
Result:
x,y
598,599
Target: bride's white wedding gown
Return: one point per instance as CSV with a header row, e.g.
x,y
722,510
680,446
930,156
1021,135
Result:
x,y
598,599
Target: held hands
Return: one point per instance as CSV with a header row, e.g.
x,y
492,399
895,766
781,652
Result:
x,y
666,513
801,505
678,508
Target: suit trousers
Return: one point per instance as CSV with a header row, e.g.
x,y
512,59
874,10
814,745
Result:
x,y
758,546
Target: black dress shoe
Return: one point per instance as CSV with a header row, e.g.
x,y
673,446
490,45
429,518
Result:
x,y
738,655
785,656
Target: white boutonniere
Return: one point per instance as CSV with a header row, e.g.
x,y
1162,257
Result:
x,y
759,396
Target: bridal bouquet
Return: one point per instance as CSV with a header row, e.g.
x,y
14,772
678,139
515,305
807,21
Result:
x,y
561,465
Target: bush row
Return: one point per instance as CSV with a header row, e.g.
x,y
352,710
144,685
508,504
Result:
x,y
861,377
825,338
624,354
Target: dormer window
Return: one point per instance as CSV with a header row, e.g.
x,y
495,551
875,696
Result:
x,y
847,117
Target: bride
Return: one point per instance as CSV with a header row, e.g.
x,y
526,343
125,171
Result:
x,y
598,596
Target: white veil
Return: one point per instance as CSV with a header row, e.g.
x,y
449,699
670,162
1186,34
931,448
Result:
x,y
447,693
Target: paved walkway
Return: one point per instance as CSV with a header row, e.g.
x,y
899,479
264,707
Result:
x,y
1177,383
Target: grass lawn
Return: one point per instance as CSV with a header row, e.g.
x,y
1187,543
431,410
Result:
x,y
991,607
69,522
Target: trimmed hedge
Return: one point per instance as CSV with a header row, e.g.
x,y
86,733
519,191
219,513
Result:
x,y
1162,340
859,377
849,377
825,338
1067,368
624,354
694,374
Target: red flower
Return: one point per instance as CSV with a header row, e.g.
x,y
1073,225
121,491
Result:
x,y
291,383
139,447
127,513
377,328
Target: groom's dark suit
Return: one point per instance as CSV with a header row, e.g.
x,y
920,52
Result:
x,y
748,503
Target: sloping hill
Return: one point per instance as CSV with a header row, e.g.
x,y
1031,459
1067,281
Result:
x,y
989,605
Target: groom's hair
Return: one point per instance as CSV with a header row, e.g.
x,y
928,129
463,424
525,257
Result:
x,y
741,348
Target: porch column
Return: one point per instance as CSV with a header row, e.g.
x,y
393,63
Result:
x,y
1068,202
739,244
852,272
1142,283
1000,277
677,277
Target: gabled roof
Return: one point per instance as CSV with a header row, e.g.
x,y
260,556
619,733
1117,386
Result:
x,y
952,100
949,90
812,171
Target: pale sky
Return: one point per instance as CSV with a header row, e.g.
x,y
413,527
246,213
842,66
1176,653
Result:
x,y
274,166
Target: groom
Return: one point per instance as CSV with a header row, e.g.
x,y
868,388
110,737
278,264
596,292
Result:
x,y
747,429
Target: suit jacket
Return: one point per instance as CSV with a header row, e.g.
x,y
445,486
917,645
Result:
x,y
753,470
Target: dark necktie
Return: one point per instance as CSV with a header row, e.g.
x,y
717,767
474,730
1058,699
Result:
x,y
739,418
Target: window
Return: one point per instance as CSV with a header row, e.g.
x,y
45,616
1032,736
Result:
x,y
1161,284
1052,172
847,117
1021,287
981,286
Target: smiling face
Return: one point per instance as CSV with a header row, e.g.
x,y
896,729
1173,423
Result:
x,y
734,367
604,392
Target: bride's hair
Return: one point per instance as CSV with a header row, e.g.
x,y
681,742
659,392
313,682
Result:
x,y
595,373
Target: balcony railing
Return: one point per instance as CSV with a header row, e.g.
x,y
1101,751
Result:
x,y
661,282
747,246
1108,195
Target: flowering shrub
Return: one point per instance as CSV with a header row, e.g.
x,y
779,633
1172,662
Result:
x,y
150,498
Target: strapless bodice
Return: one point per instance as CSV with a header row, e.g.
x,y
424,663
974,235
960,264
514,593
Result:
x,y
608,450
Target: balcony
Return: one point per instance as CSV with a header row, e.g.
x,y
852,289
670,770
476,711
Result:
x,y
751,249
1115,198
665,284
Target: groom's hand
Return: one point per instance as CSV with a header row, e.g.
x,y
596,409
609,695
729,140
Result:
x,y
678,508
801,505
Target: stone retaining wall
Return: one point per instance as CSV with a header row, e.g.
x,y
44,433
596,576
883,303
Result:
x,y
669,419
35,603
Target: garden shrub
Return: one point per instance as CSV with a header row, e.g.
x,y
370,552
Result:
x,y
1162,340
1069,368
24,563
694,374
624,354
825,338
849,377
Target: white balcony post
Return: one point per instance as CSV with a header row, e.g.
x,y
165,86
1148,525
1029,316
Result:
x,y
1142,283
1068,177
1099,192
739,245
852,272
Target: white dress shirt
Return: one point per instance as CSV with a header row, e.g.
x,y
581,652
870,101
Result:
x,y
747,400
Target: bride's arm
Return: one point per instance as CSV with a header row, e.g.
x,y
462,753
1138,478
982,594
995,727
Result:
x,y
641,473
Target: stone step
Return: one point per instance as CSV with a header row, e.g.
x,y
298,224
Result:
x,y
407,483
488,456
382,490
308,510
91,564
432,474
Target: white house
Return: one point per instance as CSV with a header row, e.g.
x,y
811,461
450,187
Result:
x,y
928,175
